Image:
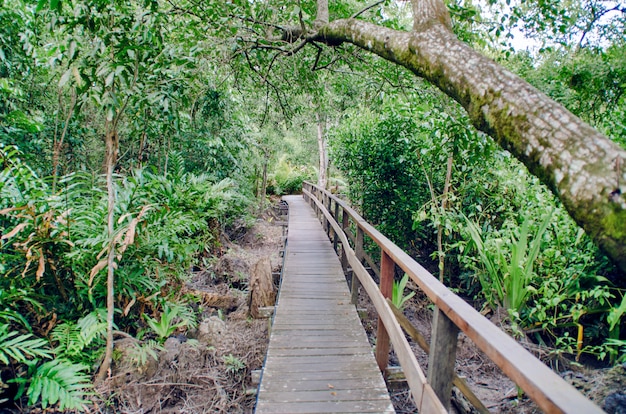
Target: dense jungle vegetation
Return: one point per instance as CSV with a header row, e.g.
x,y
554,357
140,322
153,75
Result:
x,y
135,134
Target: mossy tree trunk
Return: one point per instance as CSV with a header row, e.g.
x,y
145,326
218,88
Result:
x,y
580,165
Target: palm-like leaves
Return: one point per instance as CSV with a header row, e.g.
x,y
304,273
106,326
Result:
x,y
21,348
508,265
59,382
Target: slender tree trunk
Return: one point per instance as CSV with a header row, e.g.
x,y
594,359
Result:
x,y
573,159
167,157
322,13
112,147
444,205
57,146
322,179
264,182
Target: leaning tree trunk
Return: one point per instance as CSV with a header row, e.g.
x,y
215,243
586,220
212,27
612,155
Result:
x,y
580,165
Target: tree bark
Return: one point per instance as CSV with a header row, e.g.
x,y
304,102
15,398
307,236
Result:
x,y
573,159
262,290
322,179
264,179
322,13
112,146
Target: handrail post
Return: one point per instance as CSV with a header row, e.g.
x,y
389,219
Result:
x,y
442,356
335,235
358,251
327,204
324,219
387,267
344,226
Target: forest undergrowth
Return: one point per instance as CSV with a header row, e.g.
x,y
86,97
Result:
x,y
172,242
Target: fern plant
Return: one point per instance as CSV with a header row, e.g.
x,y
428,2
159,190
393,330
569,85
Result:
x,y
167,324
21,348
73,338
57,382
139,353
13,302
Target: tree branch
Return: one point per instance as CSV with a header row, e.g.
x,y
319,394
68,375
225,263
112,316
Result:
x,y
568,155
371,6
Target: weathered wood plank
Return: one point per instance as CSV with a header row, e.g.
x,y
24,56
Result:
x,y
442,356
354,394
319,359
275,379
337,407
322,385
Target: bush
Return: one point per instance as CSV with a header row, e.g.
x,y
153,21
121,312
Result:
x,y
395,163
287,179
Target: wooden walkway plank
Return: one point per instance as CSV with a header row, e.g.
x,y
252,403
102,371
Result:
x,y
319,359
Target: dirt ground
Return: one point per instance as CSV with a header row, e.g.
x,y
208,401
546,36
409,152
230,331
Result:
x,y
209,370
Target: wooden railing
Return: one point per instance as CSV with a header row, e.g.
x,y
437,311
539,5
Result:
x,y
451,315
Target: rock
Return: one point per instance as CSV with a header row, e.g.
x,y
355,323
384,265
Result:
x,y
211,329
230,267
615,403
171,351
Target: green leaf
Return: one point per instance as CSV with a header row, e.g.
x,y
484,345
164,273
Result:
x,y
59,382
615,314
40,5
21,348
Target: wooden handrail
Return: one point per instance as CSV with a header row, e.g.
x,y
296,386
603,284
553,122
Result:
x,y
549,391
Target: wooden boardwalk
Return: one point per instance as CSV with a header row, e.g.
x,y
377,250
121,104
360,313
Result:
x,y
319,359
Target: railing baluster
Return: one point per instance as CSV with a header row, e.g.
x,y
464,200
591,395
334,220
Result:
x,y
442,356
335,236
344,225
358,251
327,204
387,267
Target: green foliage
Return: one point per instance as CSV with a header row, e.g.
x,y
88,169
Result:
x,y
58,382
377,156
287,178
233,364
619,349
173,317
397,294
20,348
77,341
508,263
139,353
548,273
10,312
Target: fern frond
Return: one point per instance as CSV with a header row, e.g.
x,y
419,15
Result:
x,y
20,348
60,382
92,326
139,354
67,335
